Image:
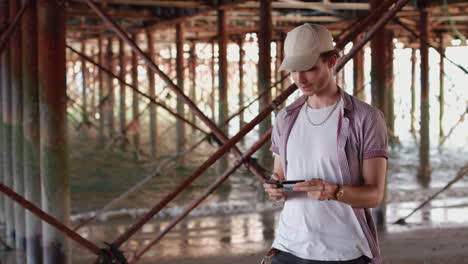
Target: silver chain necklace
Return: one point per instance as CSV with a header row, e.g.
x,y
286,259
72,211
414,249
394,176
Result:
x,y
326,119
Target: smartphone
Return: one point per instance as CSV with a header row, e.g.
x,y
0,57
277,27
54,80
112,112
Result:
x,y
286,185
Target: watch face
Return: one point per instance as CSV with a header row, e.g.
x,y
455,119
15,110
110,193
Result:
x,y
339,194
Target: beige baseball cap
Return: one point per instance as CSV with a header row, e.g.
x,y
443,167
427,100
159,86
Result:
x,y
303,46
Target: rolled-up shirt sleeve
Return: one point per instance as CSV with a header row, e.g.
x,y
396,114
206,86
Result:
x,y
275,140
375,136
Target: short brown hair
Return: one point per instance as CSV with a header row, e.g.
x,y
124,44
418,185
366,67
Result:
x,y
327,54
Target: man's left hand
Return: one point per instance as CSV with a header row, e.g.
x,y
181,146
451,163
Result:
x,y
317,189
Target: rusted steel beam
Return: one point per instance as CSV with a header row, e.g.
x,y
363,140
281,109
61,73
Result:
x,y
193,76
31,147
213,81
264,74
152,93
51,220
223,104
362,25
264,138
180,127
84,79
105,100
5,37
370,33
17,126
358,73
424,146
210,161
122,93
427,42
6,124
441,85
52,107
241,79
100,93
252,166
110,97
135,103
413,91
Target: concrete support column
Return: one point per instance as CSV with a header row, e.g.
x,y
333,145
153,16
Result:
x,y
53,131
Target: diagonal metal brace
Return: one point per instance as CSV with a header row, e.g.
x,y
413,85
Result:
x,y
111,255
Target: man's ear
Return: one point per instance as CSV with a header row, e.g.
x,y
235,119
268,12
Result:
x,y
332,61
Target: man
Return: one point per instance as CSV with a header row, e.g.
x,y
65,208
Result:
x,y
338,145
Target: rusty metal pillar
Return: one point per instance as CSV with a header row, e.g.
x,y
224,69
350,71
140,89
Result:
x,y
7,136
122,95
101,92
413,90
358,73
379,61
135,108
241,81
441,86
425,167
223,104
110,90
31,147
152,92
2,145
390,81
84,79
193,77
180,126
264,75
3,21
53,120
213,82
17,126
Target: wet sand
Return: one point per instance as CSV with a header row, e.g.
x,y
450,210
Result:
x,y
424,246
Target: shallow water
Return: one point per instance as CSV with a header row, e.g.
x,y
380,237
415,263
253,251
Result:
x,y
234,221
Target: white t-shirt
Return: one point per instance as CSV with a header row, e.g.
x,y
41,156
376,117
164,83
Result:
x,y
307,228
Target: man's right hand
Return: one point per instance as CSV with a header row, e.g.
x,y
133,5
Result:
x,y
275,193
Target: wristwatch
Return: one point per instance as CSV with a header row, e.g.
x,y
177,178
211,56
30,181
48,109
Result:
x,y
339,192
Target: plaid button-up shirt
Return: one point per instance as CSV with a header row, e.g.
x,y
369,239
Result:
x,y
362,134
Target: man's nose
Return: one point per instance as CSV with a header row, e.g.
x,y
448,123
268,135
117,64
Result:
x,y
300,76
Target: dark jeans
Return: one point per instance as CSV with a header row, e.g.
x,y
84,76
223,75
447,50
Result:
x,y
287,258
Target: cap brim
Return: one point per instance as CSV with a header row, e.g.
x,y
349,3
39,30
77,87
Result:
x,y
298,63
